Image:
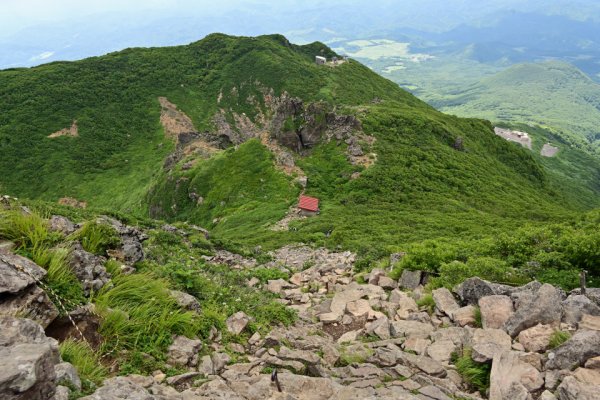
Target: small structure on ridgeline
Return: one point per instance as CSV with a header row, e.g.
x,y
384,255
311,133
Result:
x,y
308,206
319,60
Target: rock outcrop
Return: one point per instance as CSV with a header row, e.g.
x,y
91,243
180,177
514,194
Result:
x,y
27,361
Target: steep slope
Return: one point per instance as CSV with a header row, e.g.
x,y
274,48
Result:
x,y
551,94
225,133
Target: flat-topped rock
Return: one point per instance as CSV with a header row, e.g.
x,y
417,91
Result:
x,y
16,273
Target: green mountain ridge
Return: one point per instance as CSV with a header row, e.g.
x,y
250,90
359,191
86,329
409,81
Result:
x,y
431,175
552,94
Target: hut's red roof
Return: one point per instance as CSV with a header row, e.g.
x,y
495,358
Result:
x,y
308,203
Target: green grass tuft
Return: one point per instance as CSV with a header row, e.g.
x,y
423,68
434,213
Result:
x,y
86,361
98,237
558,338
477,375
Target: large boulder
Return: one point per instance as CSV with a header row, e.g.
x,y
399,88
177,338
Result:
x,y
542,307
572,389
472,289
487,343
537,338
575,351
444,301
410,280
576,305
410,329
27,360
510,376
16,273
495,311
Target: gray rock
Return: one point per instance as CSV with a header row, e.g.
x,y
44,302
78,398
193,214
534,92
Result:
x,y
305,357
16,273
237,322
27,360
423,363
61,393
184,351
543,307
473,289
387,283
66,372
89,269
434,393
444,301
571,389
206,366
441,350
575,351
410,329
6,247
61,224
186,300
409,280
120,388
577,305
32,303
591,293
219,361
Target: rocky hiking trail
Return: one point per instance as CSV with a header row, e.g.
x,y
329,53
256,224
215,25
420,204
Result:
x,y
356,337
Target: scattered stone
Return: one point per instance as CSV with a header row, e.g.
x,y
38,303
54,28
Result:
x,y
237,322
61,393
184,351
186,300
387,283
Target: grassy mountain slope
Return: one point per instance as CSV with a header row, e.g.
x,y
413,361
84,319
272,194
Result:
x,y
420,186
551,94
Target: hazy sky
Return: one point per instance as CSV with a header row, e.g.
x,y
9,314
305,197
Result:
x,y
18,14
